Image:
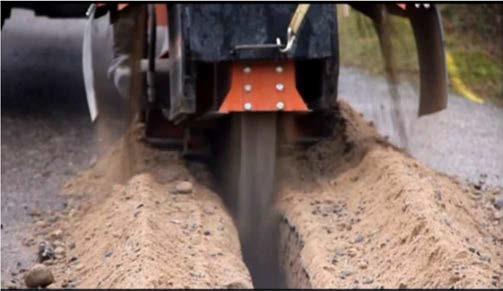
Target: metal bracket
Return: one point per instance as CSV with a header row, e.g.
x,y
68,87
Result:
x,y
291,34
276,45
290,39
90,10
265,86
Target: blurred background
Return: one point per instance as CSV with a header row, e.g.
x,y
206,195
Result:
x,y
473,38
463,140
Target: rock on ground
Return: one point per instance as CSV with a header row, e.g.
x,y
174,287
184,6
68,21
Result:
x,y
39,276
184,187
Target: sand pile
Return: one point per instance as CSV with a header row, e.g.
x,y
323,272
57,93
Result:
x,y
360,213
150,232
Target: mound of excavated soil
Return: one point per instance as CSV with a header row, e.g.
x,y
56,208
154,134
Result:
x,y
356,211
359,213
144,233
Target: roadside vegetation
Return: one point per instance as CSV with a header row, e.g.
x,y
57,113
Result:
x,y
474,46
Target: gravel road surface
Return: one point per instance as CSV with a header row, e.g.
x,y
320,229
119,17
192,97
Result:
x,y
47,136
464,140
46,131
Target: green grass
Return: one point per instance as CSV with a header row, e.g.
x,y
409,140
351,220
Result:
x,y
481,73
479,61
359,44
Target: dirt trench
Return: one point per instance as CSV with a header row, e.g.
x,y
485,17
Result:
x,y
356,212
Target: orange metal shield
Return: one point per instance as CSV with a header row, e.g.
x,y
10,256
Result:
x,y
263,86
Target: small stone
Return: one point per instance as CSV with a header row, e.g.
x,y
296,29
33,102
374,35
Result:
x,y
59,251
11,286
73,259
41,223
359,238
208,211
79,267
93,160
367,280
341,226
237,285
71,245
346,273
28,242
363,264
477,195
72,212
352,252
45,251
35,213
339,253
184,187
108,254
53,219
498,201
207,232
57,234
402,286
485,258
39,276
498,214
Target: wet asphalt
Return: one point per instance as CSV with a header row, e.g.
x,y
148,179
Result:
x,y
47,136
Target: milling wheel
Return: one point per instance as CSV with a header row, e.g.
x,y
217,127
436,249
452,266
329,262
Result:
x,y
249,175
